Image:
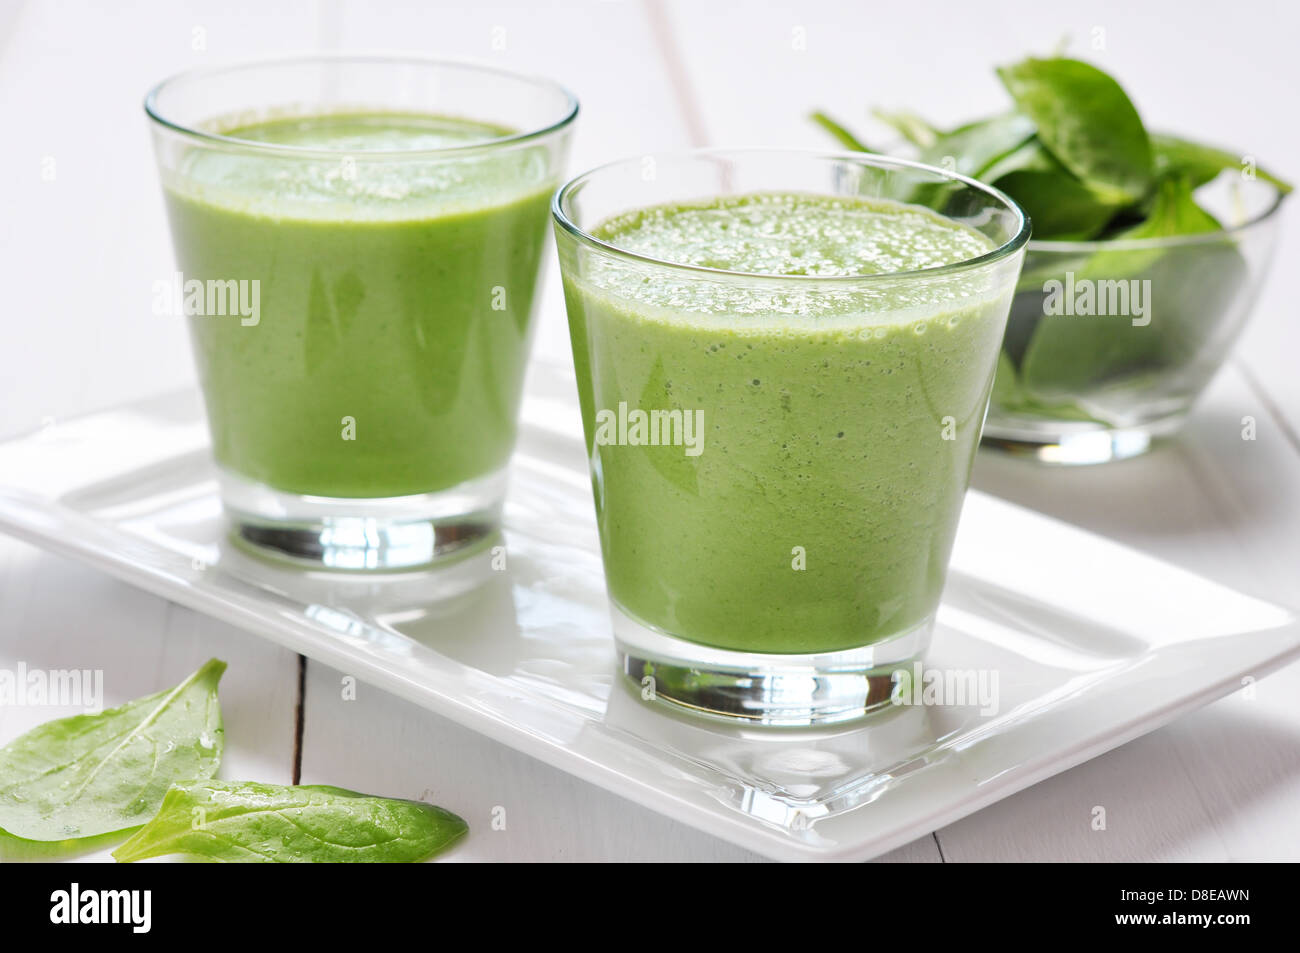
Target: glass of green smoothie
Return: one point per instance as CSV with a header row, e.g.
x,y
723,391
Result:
x,y
358,242
784,361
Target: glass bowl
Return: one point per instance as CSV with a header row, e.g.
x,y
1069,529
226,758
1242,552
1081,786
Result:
x,y
1110,343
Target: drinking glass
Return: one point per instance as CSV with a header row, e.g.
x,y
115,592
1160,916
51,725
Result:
x,y
779,460
358,242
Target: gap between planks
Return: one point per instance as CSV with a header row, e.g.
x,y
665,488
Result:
x,y
299,719
662,29
1261,393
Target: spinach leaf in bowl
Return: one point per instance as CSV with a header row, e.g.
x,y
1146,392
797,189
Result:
x,y
1087,122
1201,163
972,148
1077,157
910,126
1186,287
1059,205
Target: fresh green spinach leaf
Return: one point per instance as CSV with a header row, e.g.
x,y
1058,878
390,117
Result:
x,y
1201,163
972,148
842,135
89,775
1011,398
1187,288
269,823
1077,157
1086,120
910,126
1060,206
1174,212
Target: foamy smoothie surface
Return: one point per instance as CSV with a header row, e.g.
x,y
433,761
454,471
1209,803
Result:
x,y
365,165
838,416
796,234
791,235
396,292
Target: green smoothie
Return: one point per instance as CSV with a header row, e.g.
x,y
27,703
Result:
x,y
839,419
396,295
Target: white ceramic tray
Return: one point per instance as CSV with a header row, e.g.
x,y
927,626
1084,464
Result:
x,y
1093,644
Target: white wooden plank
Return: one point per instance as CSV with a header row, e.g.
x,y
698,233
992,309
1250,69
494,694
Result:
x,y
923,850
1218,785
1209,500
1221,784
1053,821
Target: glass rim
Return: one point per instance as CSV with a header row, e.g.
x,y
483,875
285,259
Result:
x,y
1002,251
568,113
1094,245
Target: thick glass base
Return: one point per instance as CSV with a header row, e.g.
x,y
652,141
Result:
x,y
1076,444
363,535
785,690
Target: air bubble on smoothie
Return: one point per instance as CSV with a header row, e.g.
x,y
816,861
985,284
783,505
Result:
x,y
918,328
880,332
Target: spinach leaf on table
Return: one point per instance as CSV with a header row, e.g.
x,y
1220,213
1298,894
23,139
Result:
x,y
89,775
1086,120
237,822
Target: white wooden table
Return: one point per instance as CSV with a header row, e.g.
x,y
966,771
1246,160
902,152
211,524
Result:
x,y
83,238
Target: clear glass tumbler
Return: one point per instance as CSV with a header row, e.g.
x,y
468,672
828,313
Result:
x,y
358,242
779,459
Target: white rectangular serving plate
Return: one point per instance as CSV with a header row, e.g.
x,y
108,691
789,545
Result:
x,y
1092,643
